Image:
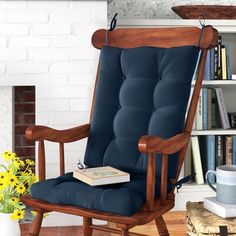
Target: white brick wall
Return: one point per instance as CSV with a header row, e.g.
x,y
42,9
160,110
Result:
x,y
48,44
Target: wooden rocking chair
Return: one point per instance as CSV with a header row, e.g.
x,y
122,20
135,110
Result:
x,y
137,124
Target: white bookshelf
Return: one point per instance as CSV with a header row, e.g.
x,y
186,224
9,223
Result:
x,y
227,28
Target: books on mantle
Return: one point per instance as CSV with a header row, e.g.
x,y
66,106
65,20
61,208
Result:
x,y
101,175
220,209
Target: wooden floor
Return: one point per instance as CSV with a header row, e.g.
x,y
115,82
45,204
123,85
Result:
x,y
175,223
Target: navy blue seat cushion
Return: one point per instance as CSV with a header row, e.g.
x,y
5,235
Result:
x,y
140,91
123,199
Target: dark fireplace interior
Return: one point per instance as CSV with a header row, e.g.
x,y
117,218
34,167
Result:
x,y
24,97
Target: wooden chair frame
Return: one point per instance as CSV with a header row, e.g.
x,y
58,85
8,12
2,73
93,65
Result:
x,y
154,208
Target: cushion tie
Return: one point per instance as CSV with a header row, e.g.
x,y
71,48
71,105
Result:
x,y
112,27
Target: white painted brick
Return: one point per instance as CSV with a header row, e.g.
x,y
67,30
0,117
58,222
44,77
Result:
x,y
27,67
56,54
75,146
53,105
69,41
84,54
80,104
50,54
96,16
13,5
84,31
69,118
71,67
70,92
71,16
50,29
12,54
42,92
2,70
81,79
19,16
28,42
33,79
3,42
13,29
51,4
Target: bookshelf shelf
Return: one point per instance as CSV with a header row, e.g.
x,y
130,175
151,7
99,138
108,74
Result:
x,y
214,132
218,83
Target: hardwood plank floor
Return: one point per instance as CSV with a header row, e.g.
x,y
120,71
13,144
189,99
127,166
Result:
x,y
175,223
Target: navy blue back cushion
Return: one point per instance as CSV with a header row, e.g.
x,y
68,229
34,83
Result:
x,y
140,91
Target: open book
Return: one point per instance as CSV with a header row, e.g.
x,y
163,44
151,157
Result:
x,y
101,175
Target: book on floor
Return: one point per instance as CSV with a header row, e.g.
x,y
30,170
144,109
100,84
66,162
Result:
x,y
218,208
101,175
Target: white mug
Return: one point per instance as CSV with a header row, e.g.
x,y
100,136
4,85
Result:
x,y
225,183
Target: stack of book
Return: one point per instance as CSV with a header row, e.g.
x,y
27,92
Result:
x,y
207,152
211,110
217,63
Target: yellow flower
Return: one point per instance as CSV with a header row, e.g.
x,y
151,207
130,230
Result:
x,y
22,163
16,164
29,162
3,176
14,200
18,214
8,155
12,181
2,185
20,188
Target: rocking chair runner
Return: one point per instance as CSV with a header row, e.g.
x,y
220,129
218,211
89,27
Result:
x,y
142,87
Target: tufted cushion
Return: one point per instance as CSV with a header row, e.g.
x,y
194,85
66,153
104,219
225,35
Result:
x,y
139,91
123,199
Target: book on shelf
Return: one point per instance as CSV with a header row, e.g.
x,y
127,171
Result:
x,y
217,65
209,108
222,109
228,150
232,119
229,73
219,150
218,208
208,156
197,163
223,62
219,58
204,109
188,161
234,150
207,70
199,120
101,175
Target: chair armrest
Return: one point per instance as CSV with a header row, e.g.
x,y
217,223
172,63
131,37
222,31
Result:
x,y
154,144
38,133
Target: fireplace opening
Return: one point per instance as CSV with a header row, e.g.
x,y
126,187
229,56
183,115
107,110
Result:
x,y
24,116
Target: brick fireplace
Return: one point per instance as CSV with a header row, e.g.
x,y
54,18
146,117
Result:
x,y
24,116
46,46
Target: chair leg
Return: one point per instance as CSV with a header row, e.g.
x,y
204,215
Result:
x,y
36,226
86,226
124,232
161,226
